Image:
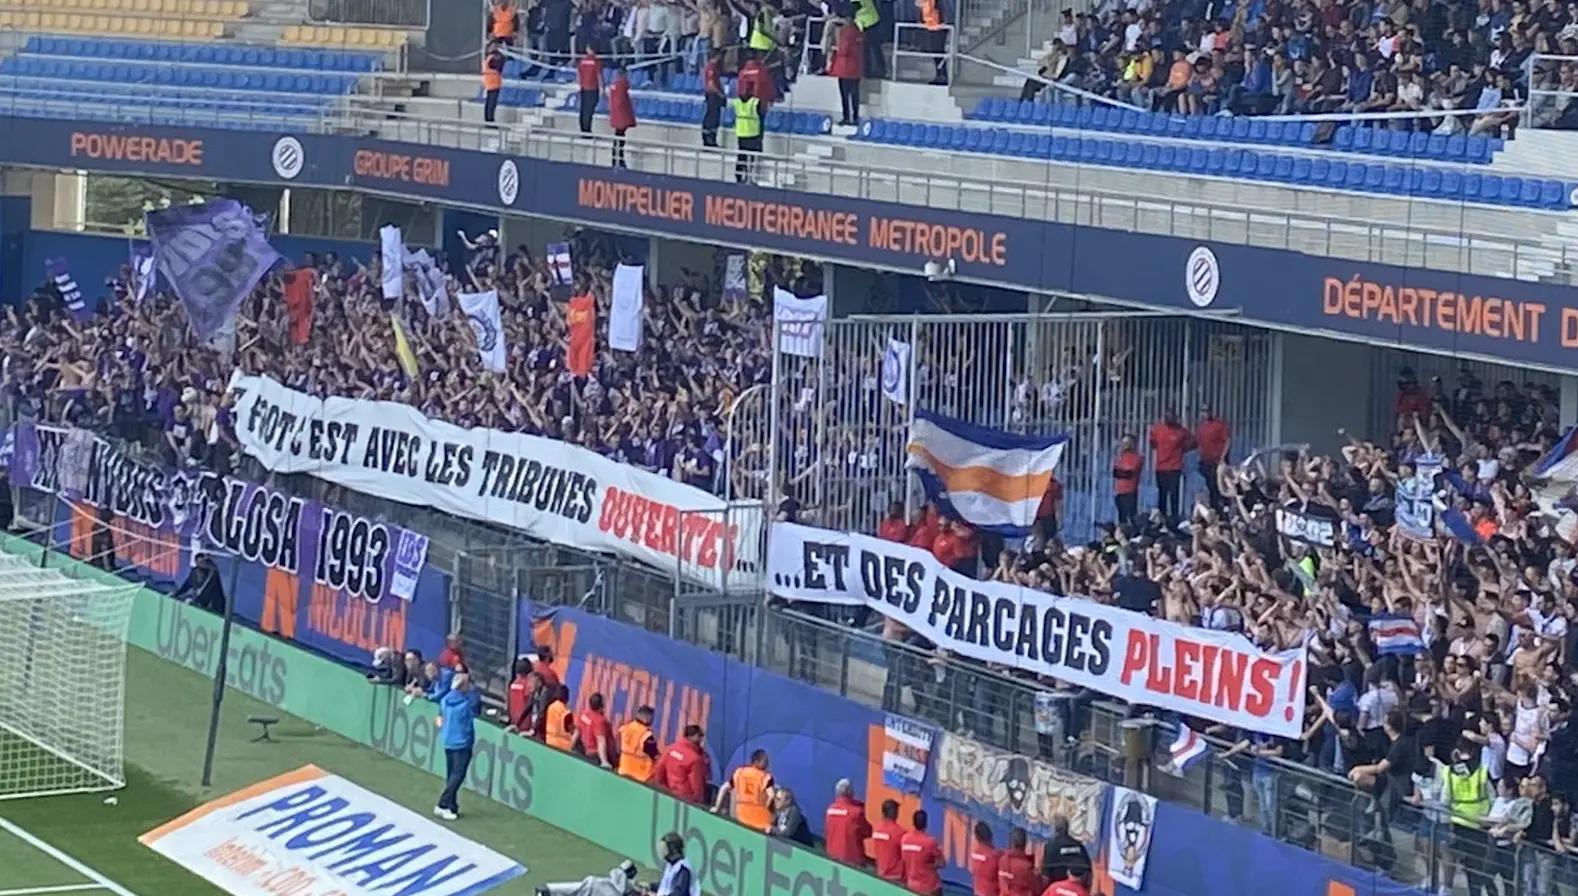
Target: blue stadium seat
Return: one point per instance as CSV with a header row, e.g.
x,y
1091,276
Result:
x,y
1284,168
1300,170
1553,194
1016,143
1511,189
1395,179
1360,138
1150,156
1199,160
1530,194
1456,148
1169,158
1265,166
1478,150
1041,116
1337,173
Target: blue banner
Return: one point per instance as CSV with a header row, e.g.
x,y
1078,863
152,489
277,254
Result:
x,y
339,583
212,255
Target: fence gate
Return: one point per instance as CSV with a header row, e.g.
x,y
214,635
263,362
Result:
x,y
838,439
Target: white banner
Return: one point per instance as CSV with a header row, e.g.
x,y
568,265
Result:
x,y
548,489
625,315
308,831
1130,828
392,256
896,372
799,323
1214,675
482,309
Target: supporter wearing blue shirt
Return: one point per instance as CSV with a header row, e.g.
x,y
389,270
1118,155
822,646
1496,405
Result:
x,y
457,721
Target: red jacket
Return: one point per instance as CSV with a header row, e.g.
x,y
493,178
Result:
x,y
1170,443
848,54
1066,888
711,79
886,840
1016,874
1213,436
759,81
683,770
519,701
847,830
621,112
922,858
589,724
984,862
589,72
893,529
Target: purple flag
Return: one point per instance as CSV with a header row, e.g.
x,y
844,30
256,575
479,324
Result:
x,y
66,285
212,255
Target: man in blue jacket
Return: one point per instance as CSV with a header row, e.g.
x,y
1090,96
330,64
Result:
x,y
457,722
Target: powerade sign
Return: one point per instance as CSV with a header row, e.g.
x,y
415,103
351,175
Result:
x,y
1501,319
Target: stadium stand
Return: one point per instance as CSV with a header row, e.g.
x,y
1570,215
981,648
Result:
x,y
346,36
159,82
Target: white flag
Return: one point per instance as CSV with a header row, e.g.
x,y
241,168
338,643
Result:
x,y
799,322
482,309
429,282
896,371
1130,826
559,263
393,257
624,318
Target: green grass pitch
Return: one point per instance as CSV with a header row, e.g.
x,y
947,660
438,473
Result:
x,y
166,724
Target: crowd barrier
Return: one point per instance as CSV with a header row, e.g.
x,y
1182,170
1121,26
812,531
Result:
x,y
966,781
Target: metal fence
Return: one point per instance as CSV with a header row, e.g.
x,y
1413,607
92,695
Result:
x,y
1094,377
1297,803
390,13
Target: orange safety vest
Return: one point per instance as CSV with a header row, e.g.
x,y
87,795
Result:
x,y
492,79
503,21
931,17
556,735
750,797
634,762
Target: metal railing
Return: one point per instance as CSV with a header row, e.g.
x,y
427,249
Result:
x,y
387,13
829,648
919,53
1059,197
1553,92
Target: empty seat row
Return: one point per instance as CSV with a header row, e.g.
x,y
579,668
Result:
x,y
782,121
282,118
1311,171
148,26
119,95
344,36
225,79
1352,138
203,54
522,97
206,9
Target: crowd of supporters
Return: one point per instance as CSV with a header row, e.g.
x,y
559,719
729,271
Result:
x,y
1439,531
1318,56
134,368
1430,574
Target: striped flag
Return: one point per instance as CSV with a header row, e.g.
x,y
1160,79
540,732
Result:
x,y
906,752
1188,748
1395,634
65,284
991,479
559,263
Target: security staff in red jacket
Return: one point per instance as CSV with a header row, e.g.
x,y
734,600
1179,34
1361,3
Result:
x,y
621,113
685,769
1170,441
922,858
887,840
847,828
848,66
713,98
1016,868
985,861
589,77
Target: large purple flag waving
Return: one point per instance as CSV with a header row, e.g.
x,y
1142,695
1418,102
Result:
x,y
212,255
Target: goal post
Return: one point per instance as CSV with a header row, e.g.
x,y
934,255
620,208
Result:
x,y
62,681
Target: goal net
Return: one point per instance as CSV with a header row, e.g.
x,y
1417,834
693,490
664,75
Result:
x,y
62,681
